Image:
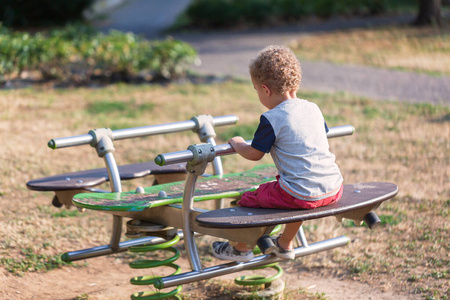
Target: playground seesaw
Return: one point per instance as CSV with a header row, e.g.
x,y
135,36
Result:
x,y
66,185
156,212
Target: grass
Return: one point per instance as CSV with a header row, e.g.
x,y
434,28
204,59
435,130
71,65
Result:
x,y
397,142
32,262
402,143
423,50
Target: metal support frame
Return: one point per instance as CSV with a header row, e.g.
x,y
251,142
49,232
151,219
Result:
x,y
194,171
202,155
207,134
301,238
102,140
233,267
196,157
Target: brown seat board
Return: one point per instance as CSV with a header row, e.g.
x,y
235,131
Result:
x,y
355,196
94,177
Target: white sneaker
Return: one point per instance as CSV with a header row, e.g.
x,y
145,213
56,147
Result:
x,y
280,252
223,250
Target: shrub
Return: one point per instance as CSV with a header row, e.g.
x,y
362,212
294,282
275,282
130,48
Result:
x,y
170,58
292,10
217,13
233,13
255,12
77,52
21,13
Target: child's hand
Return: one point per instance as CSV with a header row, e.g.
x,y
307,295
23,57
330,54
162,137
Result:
x,y
245,150
236,140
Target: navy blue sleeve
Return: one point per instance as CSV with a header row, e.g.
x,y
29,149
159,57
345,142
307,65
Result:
x,y
264,136
326,128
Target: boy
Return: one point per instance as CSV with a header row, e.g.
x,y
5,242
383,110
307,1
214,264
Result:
x,y
294,132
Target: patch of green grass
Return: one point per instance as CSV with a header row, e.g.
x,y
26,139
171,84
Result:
x,y
438,262
60,213
391,220
119,114
371,112
422,50
427,109
360,268
64,213
128,109
310,228
439,274
32,262
320,296
332,119
106,107
246,131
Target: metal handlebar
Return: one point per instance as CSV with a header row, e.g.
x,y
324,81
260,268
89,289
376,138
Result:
x,y
87,139
226,149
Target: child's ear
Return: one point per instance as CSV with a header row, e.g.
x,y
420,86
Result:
x,y
267,89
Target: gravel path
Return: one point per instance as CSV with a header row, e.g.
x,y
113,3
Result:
x,y
228,53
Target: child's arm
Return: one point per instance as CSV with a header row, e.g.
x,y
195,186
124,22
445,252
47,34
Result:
x,y
245,150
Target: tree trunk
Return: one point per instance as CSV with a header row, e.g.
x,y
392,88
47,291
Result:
x,y
429,13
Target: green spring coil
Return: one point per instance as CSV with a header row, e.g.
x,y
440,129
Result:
x,y
147,264
260,279
253,280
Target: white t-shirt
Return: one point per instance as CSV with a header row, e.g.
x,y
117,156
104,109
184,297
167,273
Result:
x,y
294,132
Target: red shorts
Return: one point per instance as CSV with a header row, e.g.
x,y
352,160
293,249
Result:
x,y
271,195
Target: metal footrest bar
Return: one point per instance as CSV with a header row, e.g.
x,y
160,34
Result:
x,y
106,249
233,267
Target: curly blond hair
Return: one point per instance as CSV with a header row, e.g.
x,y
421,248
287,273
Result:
x,y
278,68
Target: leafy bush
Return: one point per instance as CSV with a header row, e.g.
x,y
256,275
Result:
x,y
231,13
292,10
76,53
15,13
218,13
256,12
170,58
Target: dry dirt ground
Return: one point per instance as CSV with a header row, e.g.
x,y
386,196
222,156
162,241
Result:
x,y
105,278
108,277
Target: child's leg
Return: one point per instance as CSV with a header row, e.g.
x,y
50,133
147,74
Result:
x,y
284,243
286,240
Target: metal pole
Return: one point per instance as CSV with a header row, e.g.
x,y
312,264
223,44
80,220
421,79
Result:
x,y
217,162
116,186
189,240
106,249
339,131
233,267
218,170
226,149
128,133
301,237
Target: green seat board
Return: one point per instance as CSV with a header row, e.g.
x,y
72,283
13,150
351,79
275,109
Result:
x,y
207,188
